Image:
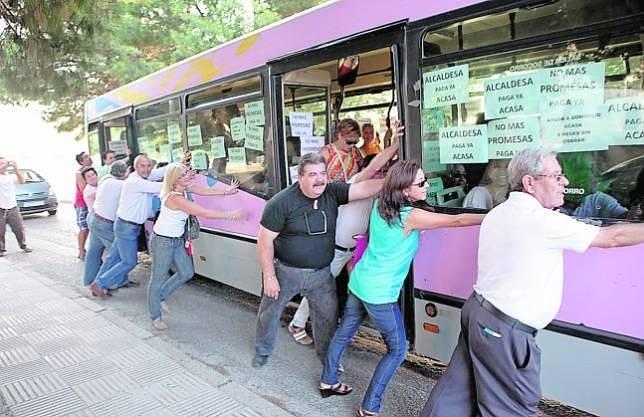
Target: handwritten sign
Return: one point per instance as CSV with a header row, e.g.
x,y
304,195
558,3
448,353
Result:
x,y
432,120
580,131
118,146
446,86
164,150
217,147
174,133
431,157
515,95
177,155
254,113
194,136
624,121
254,137
463,145
301,123
238,128
568,88
237,155
294,173
311,144
506,137
199,160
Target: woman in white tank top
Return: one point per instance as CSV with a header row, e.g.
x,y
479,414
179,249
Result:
x,y
168,244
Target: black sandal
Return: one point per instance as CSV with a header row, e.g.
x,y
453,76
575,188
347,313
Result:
x,y
365,413
337,389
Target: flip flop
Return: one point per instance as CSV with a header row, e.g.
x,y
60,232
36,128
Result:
x,y
337,389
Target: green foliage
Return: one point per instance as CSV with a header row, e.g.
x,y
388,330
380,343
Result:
x,y
61,53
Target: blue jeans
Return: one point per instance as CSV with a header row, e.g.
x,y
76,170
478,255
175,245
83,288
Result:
x,y
101,236
165,253
121,258
388,320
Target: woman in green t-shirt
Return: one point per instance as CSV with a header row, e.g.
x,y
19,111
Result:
x,y
376,280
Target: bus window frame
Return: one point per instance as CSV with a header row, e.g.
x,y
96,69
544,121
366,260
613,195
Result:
x,y
262,94
157,118
416,36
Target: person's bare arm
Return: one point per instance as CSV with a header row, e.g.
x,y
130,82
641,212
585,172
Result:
x,y
325,153
80,181
619,235
266,255
422,220
381,159
206,190
20,179
179,202
365,189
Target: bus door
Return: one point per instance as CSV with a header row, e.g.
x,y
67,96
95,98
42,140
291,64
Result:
x,y
356,78
117,132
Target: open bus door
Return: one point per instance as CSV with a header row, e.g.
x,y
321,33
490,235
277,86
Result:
x,y
309,98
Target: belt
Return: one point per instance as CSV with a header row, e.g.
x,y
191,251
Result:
x,y
168,237
129,222
512,322
96,216
343,249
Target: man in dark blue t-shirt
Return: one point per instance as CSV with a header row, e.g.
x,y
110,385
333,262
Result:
x,y
296,243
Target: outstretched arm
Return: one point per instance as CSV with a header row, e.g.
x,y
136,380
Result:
x,y
619,235
422,220
382,158
365,189
206,190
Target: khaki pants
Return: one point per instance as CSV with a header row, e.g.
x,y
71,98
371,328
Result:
x,y
14,219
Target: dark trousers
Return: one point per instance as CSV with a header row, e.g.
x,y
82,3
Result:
x,y
492,373
318,286
13,218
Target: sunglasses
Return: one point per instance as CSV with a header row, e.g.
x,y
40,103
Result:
x,y
421,184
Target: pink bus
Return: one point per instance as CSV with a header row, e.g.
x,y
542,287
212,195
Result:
x,y
473,82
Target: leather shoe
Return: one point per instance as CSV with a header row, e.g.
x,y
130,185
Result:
x,y
131,284
26,249
259,361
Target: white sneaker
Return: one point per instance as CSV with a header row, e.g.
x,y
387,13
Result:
x,y
165,307
159,324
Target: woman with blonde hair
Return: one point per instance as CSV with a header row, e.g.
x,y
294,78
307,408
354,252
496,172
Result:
x,y
169,246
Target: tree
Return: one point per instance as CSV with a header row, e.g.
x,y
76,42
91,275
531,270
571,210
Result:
x,y
60,53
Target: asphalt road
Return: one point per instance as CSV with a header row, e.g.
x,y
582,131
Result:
x,y
215,324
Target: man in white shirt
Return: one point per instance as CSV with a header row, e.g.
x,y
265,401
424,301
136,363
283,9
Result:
x,y
495,368
101,224
9,211
134,208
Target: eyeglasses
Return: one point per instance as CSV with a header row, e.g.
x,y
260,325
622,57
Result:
x,y
316,223
421,184
556,177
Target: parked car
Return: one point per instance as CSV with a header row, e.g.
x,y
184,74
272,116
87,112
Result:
x,y
35,195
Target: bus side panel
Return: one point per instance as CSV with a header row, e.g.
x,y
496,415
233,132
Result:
x,y
229,261
253,207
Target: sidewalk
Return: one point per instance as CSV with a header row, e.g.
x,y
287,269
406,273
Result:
x,y
61,354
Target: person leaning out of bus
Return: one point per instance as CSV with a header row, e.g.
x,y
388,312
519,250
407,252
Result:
x,y
376,281
169,246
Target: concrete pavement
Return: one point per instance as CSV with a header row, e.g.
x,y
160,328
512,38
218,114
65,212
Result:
x,y
62,354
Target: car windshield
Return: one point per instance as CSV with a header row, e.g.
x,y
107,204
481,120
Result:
x,y
29,175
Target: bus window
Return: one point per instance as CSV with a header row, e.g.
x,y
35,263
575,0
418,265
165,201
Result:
x,y
524,22
116,136
93,143
230,140
581,99
160,140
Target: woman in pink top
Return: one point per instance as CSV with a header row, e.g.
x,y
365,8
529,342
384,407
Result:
x,y
91,184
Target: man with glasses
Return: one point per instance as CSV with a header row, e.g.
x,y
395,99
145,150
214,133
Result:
x,y
495,368
343,159
296,243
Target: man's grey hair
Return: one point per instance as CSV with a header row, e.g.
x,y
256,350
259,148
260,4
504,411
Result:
x,y
527,162
312,158
118,169
139,159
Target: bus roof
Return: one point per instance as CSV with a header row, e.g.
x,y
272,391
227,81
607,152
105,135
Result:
x,y
322,24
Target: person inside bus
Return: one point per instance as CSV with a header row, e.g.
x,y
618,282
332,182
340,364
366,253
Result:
x,y
493,188
221,117
342,157
495,368
169,245
370,145
101,223
353,219
85,161
376,281
296,244
107,158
